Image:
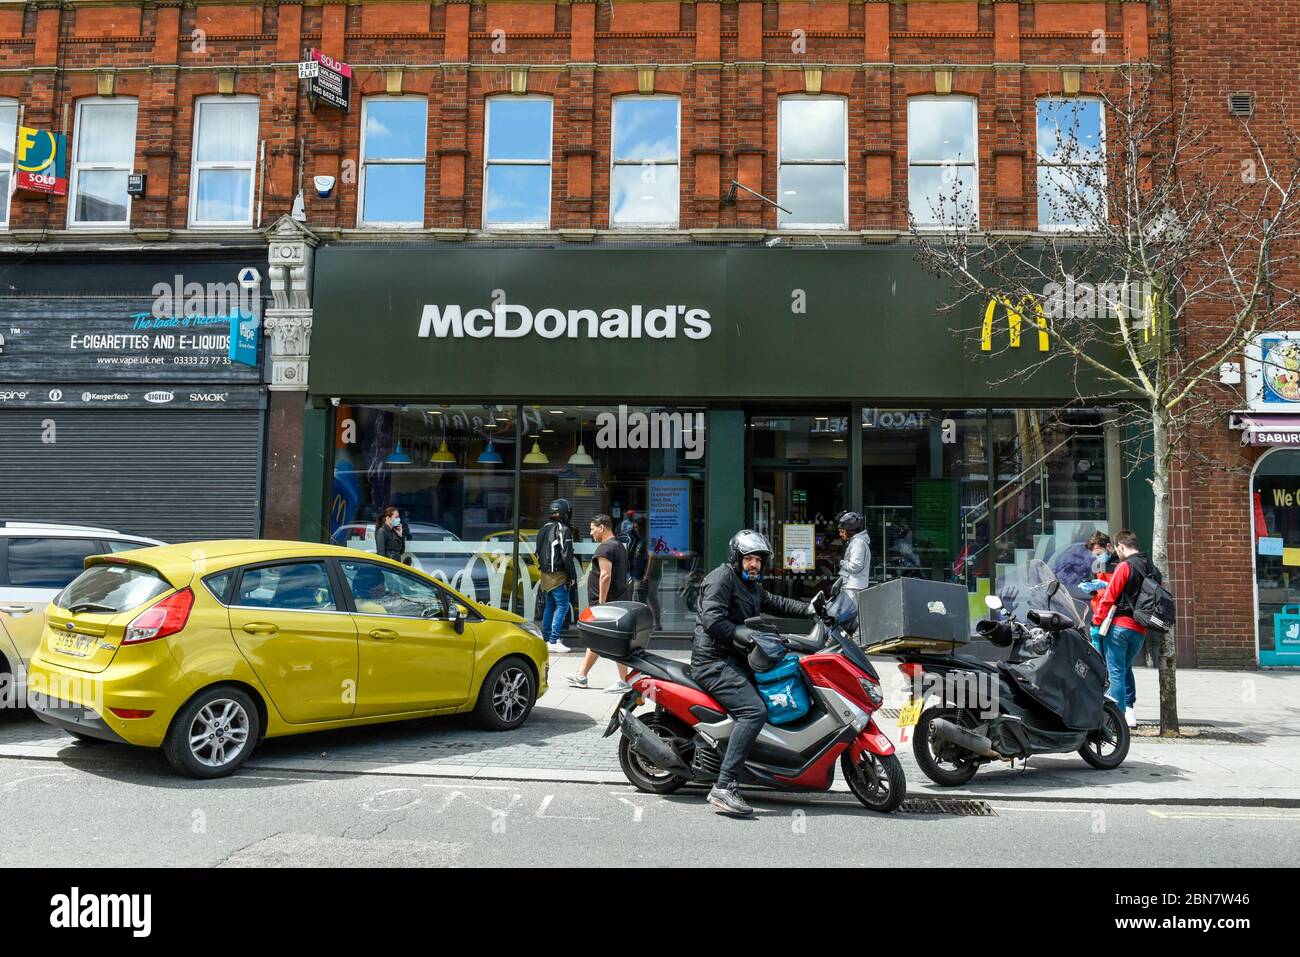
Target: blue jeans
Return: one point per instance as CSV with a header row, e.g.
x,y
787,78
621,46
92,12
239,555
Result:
x,y
1122,647
1130,685
556,615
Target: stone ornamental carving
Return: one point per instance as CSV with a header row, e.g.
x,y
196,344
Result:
x,y
288,321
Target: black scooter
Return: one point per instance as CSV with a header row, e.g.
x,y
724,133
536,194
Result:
x,y
1048,697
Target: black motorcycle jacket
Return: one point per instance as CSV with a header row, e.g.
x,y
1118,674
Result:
x,y
726,600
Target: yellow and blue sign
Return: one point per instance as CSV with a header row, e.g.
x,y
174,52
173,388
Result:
x,y
42,161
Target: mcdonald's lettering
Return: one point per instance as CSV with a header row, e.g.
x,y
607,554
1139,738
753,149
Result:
x,y
1029,306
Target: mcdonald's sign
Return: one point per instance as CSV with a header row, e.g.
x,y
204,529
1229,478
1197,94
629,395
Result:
x,y
42,161
1029,307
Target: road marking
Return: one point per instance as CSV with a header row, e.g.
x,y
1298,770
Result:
x,y
1222,816
546,802
637,810
35,777
1045,810
473,787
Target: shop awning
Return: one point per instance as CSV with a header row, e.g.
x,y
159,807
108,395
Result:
x,y
1266,429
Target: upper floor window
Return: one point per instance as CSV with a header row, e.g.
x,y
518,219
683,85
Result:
x,y
644,176
812,176
517,163
1071,164
225,156
394,138
103,155
942,160
8,140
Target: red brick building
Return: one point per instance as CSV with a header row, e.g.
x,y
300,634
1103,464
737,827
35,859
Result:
x,y
722,69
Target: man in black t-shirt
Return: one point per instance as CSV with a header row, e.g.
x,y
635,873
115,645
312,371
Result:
x,y
606,581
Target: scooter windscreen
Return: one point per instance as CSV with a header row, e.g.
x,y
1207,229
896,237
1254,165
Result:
x,y
1047,593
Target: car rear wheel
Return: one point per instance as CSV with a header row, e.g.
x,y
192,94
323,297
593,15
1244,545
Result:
x,y
214,734
507,695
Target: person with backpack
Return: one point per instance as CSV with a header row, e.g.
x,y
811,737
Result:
x,y
1123,614
558,573
1104,564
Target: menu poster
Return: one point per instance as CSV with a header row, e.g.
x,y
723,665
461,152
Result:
x,y
670,516
798,551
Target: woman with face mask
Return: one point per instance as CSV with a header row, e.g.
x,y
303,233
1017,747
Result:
x,y
390,538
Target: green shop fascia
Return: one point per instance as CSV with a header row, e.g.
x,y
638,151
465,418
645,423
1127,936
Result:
x,y
687,393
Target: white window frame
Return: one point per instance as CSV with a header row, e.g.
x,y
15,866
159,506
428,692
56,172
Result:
x,y
196,166
549,162
842,163
423,161
74,176
974,162
1039,163
675,223
5,225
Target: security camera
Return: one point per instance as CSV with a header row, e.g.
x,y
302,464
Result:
x,y
773,242
324,186
334,401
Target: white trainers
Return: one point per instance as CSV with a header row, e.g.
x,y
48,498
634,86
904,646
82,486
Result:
x,y
558,648
618,687
1130,717
576,680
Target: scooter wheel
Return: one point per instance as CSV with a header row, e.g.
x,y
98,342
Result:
x,y
640,772
1107,748
878,781
946,773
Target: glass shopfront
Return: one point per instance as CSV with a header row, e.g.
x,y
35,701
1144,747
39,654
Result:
x,y
474,483
1276,503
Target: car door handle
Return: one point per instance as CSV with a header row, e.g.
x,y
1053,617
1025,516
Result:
x,y
261,628
383,634
15,609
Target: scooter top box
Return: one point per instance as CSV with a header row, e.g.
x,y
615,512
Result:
x,y
618,629
913,614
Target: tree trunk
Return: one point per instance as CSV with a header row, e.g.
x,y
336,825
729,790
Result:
x,y
1168,659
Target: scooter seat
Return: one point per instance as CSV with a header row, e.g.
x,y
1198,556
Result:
x,y
666,669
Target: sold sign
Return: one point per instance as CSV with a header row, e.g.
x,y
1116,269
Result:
x,y
42,161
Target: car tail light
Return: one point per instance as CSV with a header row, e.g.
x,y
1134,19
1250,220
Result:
x,y
165,618
912,671
131,713
872,691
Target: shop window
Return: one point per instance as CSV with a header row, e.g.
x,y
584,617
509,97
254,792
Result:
x,y
225,158
1276,543
813,174
517,163
394,134
942,158
645,154
8,137
450,470
103,155
1071,164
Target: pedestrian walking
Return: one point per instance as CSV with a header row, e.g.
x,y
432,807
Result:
x,y
558,573
1123,636
1105,560
390,537
606,581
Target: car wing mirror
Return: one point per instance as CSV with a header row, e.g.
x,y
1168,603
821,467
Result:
x,y
458,618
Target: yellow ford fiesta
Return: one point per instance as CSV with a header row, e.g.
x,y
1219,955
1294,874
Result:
x,y
205,648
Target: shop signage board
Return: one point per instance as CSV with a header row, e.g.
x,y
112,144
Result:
x,y
670,516
714,323
329,80
41,162
98,395
1273,373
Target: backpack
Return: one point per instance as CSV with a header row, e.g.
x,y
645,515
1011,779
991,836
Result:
x,y
1153,606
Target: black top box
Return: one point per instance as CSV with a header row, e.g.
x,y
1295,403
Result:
x,y
618,629
913,614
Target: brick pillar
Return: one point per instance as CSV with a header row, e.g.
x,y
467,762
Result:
x,y
707,113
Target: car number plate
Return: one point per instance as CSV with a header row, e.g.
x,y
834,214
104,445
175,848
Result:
x,y
74,644
910,714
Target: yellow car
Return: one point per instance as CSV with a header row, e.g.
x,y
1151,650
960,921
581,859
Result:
x,y
204,649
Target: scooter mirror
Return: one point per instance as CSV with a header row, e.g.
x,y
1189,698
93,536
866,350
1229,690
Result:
x,y
993,601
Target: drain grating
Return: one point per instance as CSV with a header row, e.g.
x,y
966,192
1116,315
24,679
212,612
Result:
x,y
941,806
889,712
1149,733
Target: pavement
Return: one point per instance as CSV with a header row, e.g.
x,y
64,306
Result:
x,y
561,742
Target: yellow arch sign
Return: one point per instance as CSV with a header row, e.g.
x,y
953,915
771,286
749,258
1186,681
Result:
x,y
1015,317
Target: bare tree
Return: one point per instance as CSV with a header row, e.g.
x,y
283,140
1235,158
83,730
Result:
x,y
1157,260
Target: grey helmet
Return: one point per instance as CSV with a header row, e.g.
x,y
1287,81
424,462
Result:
x,y
749,542
849,521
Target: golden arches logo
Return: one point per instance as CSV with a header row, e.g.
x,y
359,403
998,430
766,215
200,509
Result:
x,y
1029,306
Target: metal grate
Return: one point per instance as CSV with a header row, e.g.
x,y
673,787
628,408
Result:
x,y
1241,104
1148,732
889,712
942,806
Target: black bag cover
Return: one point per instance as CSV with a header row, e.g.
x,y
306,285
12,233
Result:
x,y
1153,608
1069,680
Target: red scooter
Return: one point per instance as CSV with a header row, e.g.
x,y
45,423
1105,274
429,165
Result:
x,y
683,739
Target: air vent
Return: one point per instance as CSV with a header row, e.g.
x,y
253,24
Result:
x,y
1241,104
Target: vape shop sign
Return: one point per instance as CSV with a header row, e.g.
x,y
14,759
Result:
x,y
330,81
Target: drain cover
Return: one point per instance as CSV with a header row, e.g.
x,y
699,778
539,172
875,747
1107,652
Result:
x,y
941,806
889,712
1149,732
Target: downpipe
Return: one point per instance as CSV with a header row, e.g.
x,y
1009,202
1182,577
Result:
x,y
649,744
967,740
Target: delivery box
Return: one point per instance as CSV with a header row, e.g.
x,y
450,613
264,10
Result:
x,y
913,614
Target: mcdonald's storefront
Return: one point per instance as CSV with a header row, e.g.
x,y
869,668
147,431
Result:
x,y
688,392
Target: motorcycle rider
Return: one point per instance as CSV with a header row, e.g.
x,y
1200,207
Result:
x,y
731,593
